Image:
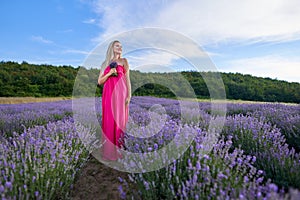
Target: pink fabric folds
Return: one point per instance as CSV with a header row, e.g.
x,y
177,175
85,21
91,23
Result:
x,y
114,114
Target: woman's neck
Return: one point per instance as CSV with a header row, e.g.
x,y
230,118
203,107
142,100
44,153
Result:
x,y
116,57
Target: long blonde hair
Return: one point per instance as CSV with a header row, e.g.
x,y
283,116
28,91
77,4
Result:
x,y
109,55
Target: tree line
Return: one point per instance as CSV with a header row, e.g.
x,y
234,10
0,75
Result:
x,y
43,80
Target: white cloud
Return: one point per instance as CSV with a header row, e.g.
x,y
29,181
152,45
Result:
x,y
145,59
159,46
74,51
119,16
89,21
222,21
211,23
267,66
41,40
208,22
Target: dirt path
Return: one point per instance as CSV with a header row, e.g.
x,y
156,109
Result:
x,y
97,181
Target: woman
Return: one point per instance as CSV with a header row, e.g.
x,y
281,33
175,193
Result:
x,y
116,95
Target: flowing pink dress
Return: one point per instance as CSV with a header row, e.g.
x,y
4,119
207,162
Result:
x,y
114,113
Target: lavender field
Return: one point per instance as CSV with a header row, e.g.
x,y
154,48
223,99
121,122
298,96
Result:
x,y
256,155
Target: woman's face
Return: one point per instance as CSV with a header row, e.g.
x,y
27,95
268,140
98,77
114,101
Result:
x,y
117,47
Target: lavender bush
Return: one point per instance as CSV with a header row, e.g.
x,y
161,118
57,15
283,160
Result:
x,y
238,167
14,117
266,142
255,157
284,117
218,175
41,162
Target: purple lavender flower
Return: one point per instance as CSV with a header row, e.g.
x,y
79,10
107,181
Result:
x,y
8,185
146,184
120,179
122,193
259,172
241,196
273,187
113,65
1,188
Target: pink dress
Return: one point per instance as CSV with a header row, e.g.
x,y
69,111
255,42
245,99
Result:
x,y
114,113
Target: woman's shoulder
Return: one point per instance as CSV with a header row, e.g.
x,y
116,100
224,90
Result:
x,y
125,63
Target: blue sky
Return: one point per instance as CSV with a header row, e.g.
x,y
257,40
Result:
x,y
261,38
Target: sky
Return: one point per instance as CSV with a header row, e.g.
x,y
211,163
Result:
x,y
256,37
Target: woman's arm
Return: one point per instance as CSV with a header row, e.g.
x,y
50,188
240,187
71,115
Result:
x,y
102,78
127,81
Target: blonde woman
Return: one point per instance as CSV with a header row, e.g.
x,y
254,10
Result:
x,y
116,95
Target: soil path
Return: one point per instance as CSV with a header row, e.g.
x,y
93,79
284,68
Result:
x,y
97,181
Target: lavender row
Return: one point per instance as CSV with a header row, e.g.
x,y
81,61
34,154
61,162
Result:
x,y
223,173
16,117
41,162
226,172
266,142
241,167
286,117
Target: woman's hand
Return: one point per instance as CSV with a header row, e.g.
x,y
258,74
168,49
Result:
x,y
112,71
127,101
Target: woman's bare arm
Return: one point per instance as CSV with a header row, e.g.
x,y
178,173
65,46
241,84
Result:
x,y
102,78
126,65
